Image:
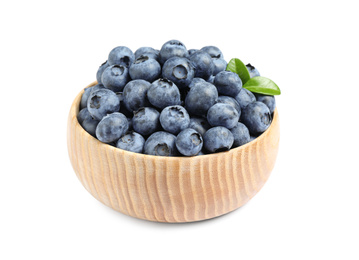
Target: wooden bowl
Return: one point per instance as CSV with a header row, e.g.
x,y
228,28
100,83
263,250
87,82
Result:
x,y
170,189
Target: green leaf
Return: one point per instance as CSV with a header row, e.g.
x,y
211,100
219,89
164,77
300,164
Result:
x,y
262,85
237,66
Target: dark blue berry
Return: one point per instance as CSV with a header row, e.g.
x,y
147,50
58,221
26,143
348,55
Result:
x,y
82,115
90,125
148,51
245,97
257,117
100,70
146,121
162,144
223,115
174,119
230,101
112,127
199,124
219,65
179,70
163,93
241,135
135,94
253,72
200,98
145,68
172,48
121,55
189,142
268,100
102,102
218,139
202,63
195,81
115,77
87,93
228,83
213,51
132,141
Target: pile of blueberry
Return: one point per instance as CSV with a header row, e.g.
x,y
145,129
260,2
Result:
x,y
172,102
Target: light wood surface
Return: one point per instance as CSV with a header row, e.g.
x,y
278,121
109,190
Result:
x,y
170,189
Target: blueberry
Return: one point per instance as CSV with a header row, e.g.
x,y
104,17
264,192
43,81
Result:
x,y
173,48
145,68
90,125
191,51
217,57
228,83
241,134
178,70
223,115
174,119
257,117
213,51
201,125
146,121
195,81
253,72
102,102
200,98
87,122
161,143
100,71
135,94
245,97
230,101
219,65
268,100
163,93
189,142
115,77
202,63
85,97
218,139
82,115
252,138
87,93
121,56
148,51
111,127
132,141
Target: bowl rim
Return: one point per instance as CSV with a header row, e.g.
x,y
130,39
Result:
x,y
75,108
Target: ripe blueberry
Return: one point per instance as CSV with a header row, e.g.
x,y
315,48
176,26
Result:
x,y
102,102
218,139
115,77
121,55
111,127
174,119
161,143
163,93
189,142
178,70
257,117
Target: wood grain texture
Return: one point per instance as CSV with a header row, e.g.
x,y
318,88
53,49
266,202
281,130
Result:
x,y
170,189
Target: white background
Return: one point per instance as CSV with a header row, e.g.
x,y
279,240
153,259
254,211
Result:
x,y
309,207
